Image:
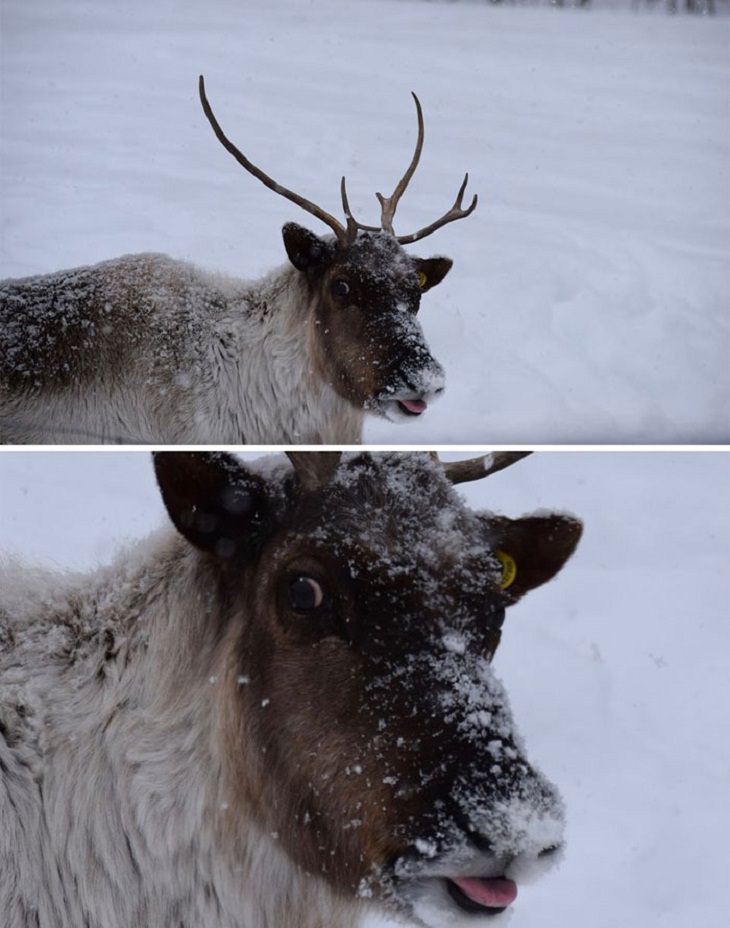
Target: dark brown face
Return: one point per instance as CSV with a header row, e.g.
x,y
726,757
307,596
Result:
x,y
385,755
369,344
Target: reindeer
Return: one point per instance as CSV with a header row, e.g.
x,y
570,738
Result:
x,y
282,715
152,350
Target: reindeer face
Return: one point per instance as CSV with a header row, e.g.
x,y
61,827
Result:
x,y
385,755
368,342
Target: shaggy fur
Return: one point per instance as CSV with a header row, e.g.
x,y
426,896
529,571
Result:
x,y
183,742
146,349
110,766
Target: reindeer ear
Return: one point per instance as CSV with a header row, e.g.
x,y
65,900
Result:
x,y
532,549
431,271
213,501
306,250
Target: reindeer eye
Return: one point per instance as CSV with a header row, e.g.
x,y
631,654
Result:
x,y
305,594
340,287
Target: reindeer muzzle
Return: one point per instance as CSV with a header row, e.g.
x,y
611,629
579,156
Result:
x,y
465,886
412,394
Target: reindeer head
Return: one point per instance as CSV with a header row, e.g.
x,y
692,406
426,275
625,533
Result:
x,y
361,720
365,292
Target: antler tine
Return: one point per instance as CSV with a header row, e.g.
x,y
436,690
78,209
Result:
x,y
314,468
390,204
477,468
352,224
456,212
308,205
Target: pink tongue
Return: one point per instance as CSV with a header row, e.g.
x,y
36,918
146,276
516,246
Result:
x,y
415,406
492,893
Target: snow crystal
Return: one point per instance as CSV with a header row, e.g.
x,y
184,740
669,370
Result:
x,y
426,847
455,642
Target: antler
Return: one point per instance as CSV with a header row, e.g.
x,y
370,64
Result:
x,y
352,224
456,212
477,468
346,234
340,231
314,468
390,204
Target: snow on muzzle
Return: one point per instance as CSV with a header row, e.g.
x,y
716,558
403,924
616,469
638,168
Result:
x,y
411,392
412,377
474,866
494,823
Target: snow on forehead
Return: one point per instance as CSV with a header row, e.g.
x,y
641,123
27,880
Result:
x,y
381,254
403,506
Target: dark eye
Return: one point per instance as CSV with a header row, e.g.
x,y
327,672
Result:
x,y
305,594
340,287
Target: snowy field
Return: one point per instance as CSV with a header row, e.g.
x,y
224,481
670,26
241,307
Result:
x,y
589,298
618,671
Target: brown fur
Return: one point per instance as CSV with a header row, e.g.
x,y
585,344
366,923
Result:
x,y
321,770
280,715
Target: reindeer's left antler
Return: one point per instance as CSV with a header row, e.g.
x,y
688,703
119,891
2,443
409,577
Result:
x,y
477,468
456,212
390,204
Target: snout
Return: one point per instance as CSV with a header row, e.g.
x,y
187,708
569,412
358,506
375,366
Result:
x,y
470,863
482,819
466,886
411,391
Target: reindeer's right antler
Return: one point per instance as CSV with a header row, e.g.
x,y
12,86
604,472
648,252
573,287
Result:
x,y
346,235
314,469
343,234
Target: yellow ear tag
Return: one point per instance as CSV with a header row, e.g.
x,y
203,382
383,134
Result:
x,y
509,569
422,280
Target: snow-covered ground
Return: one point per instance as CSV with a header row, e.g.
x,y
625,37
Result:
x,y
618,670
589,298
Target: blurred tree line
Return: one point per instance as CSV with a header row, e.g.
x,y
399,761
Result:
x,y
671,6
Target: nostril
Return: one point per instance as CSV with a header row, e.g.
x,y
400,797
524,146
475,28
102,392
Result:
x,y
547,851
480,842
530,866
476,839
